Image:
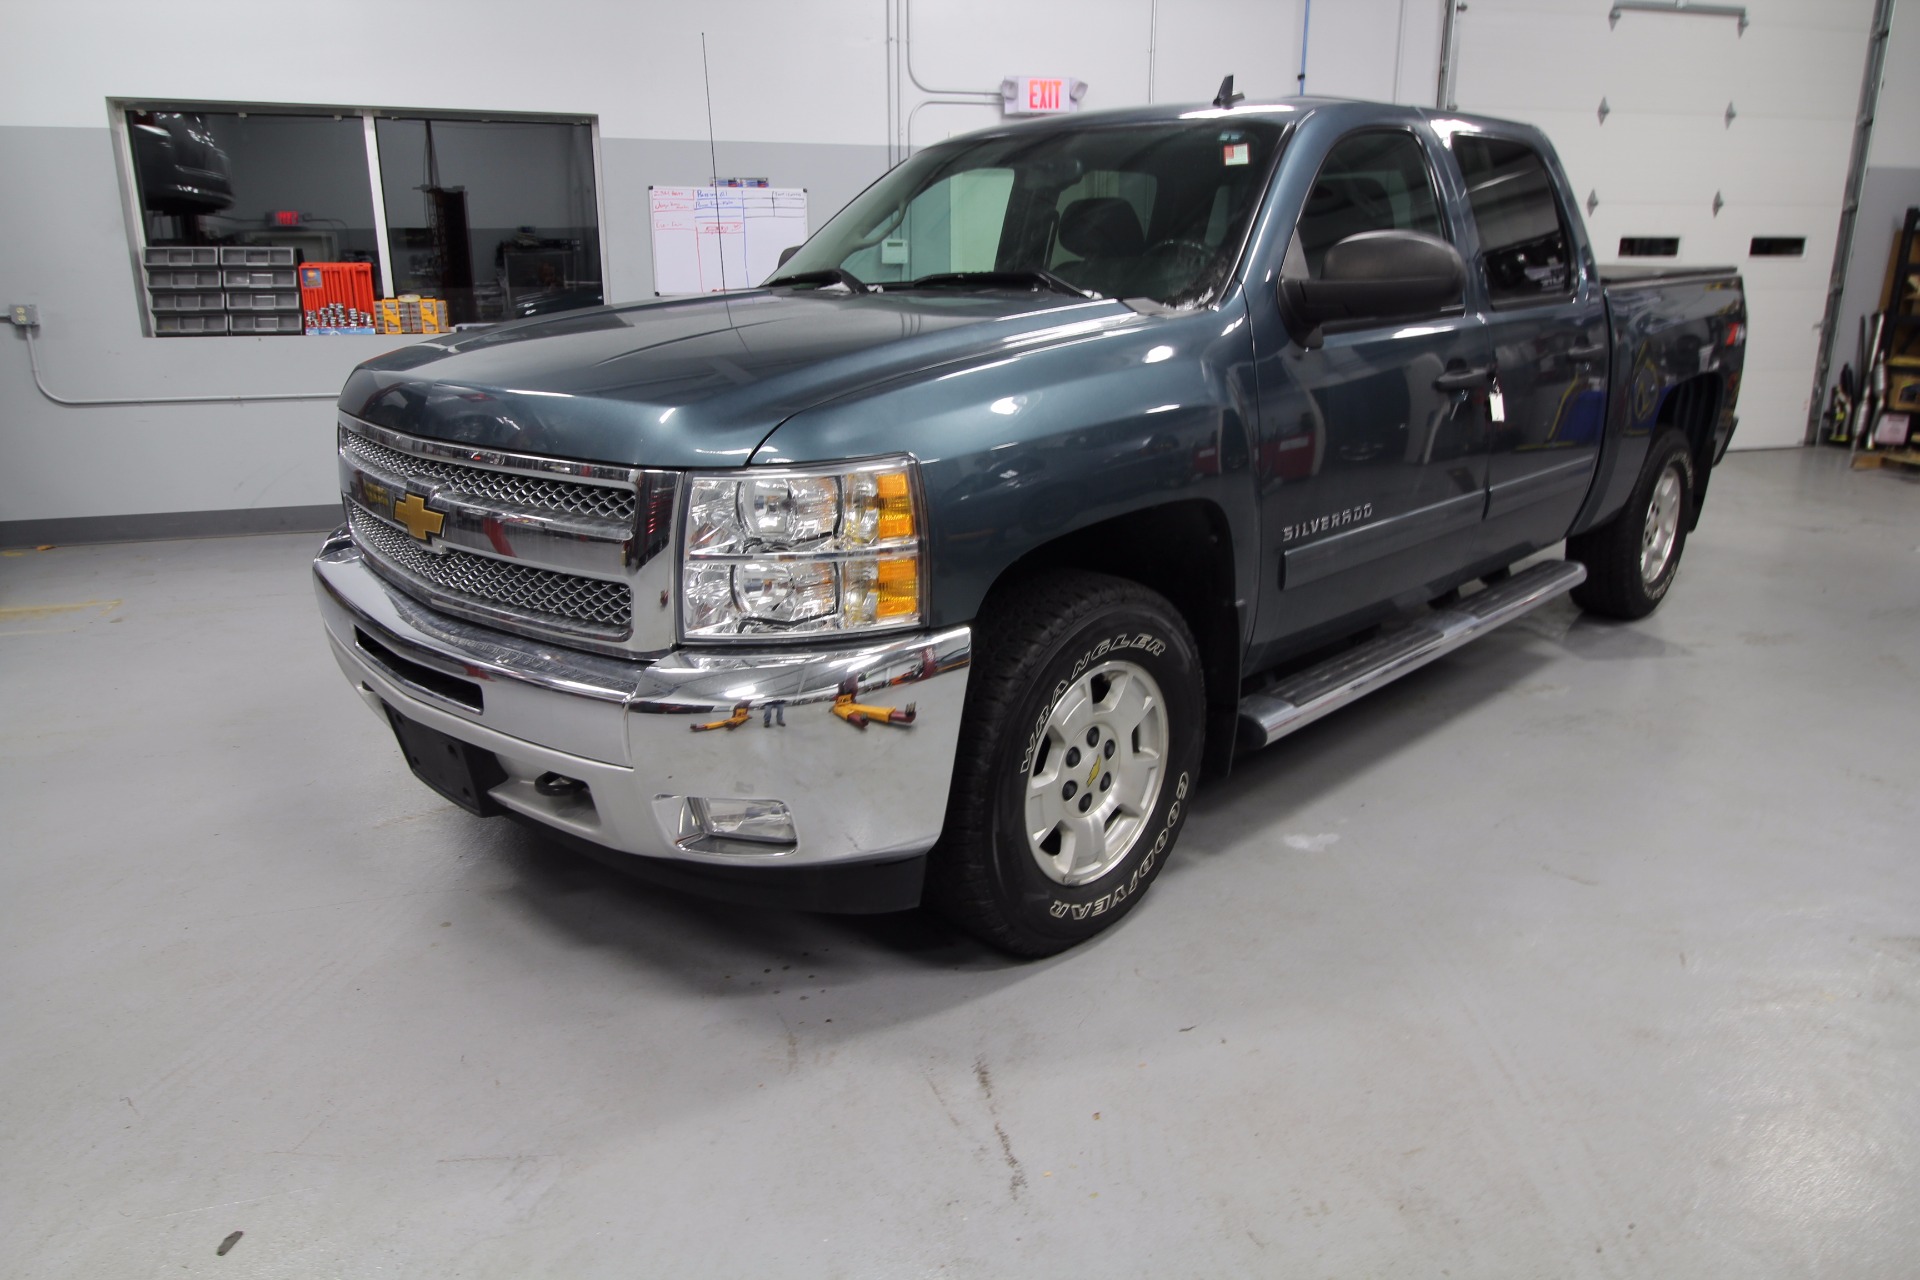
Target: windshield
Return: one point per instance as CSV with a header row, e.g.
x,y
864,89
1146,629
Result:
x,y
1121,211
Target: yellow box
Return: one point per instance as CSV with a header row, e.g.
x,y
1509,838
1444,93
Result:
x,y
411,314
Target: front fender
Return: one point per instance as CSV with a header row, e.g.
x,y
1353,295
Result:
x,y
1055,432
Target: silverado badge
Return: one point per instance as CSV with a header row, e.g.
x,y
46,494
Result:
x,y
413,512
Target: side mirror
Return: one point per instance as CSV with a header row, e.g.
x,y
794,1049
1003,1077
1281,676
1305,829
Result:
x,y
1378,274
786,253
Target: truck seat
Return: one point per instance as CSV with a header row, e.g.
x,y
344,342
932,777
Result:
x,y
1105,233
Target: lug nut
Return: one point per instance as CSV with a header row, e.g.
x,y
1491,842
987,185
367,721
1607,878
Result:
x,y
1073,756
1107,750
1106,780
1066,792
1093,736
1086,803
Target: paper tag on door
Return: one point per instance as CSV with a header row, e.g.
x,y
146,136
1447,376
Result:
x,y
1496,405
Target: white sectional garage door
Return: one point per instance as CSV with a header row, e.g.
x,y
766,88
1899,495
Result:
x,y
1666,148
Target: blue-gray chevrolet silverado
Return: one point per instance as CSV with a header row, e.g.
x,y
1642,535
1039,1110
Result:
x,y
1066,461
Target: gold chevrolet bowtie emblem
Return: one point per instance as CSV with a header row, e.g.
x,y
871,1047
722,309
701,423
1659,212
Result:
x,y
412,512
1095,775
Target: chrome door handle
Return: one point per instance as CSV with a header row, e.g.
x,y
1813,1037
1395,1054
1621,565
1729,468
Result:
x,y
1468,379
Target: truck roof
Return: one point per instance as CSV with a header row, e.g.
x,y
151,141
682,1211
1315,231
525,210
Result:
x,y
1358,110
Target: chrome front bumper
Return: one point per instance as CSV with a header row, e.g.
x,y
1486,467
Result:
x,y
645,737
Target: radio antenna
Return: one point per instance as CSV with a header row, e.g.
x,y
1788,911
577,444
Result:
x,y
713,159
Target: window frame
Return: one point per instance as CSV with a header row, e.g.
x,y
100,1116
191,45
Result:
x,y
1576,255
132,215
1450,229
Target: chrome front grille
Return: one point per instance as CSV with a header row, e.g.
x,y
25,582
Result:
x,y
562,550
504,487
536,593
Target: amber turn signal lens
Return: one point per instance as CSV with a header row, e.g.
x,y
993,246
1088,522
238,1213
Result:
x,y
896,505
896,588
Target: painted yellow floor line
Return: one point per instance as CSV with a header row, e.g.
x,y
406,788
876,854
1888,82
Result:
x,y
19,612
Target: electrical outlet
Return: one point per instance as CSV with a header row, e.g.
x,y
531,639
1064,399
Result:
x,y
24,314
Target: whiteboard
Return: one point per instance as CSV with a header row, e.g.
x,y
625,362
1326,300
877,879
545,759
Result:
x,y
706,239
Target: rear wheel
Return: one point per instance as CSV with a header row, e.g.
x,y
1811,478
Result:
x,y
1080,748
1632,559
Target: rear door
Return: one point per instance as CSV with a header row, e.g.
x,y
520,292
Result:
x,y
1547,321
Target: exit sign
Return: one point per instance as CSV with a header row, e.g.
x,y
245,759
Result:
x,y
1040,95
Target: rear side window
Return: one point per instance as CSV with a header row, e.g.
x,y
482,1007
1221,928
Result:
x,y
1370,182
1524,246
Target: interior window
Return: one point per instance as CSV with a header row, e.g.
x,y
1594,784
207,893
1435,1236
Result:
x,y
1370,182
496,216
261,221
953,225
1524,246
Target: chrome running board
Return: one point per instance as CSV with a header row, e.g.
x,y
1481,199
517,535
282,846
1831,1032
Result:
x,y
1302,698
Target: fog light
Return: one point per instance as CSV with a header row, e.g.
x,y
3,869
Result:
x,y
767,822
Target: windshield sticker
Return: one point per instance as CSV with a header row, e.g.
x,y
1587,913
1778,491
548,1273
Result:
x,y
1236,153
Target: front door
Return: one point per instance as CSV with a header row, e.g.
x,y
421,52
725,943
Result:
x,y
1371,461
1548,324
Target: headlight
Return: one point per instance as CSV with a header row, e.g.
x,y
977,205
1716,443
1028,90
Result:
x,y
802,551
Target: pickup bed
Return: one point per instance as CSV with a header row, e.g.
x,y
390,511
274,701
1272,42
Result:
x,y
1067,461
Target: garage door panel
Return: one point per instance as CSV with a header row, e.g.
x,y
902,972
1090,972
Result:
x,y
1664,67
1782,161
1634,159
1810,15
1826,65
1772,408
1530,52
1666,149
1818,225
1701,240
1781,324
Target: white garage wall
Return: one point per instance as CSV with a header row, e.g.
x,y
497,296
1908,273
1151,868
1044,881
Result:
x,y
810,113
1666,149
801,95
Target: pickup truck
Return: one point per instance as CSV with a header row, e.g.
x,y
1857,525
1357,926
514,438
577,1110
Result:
x,y
1067,461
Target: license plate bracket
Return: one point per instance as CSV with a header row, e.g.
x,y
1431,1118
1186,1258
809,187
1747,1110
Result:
x,y
460,771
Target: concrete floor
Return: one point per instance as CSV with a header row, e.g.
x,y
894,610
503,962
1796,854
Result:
x,y
1588,951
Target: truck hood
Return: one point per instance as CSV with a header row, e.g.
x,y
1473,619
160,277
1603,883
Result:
x,y
690,383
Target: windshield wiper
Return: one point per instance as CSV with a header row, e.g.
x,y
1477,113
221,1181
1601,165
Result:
x,y
826,275
1025,277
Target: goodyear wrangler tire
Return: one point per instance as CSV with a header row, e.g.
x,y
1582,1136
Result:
x,y
1078,759
1632,559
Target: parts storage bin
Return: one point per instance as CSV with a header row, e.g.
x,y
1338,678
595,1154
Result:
x,y
268,322
256,255
164,303
179,326
185,255
264,300
186,278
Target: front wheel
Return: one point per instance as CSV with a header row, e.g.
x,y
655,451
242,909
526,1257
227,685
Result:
x,y
1632,559
1080,750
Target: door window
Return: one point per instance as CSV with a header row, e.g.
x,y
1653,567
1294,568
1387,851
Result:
x,y
1375,181
1524,246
